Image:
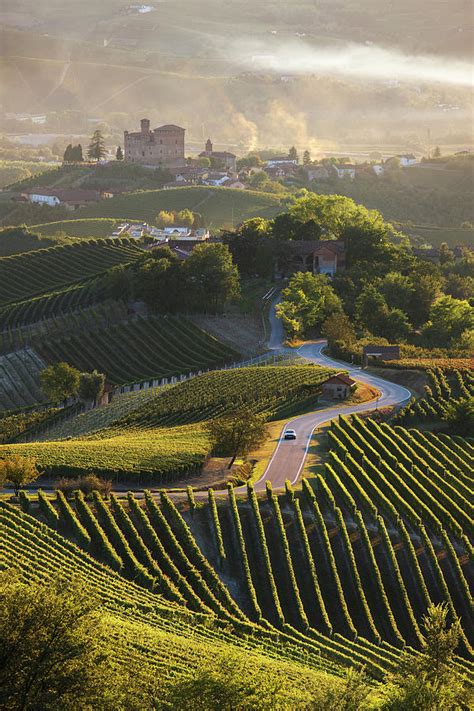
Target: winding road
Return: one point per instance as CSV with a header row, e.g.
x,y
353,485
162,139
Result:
x,y
289,456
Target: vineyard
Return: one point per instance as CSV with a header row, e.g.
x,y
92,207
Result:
x,y
19,380
275,390
33,273
446,387
56,303
334,569
162,636
151,348
161,435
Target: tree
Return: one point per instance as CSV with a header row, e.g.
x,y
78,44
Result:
x,y
394,325
460,416
426,289
371,309
429,681
185,218
445,254
307,302
164,219
306,158
67,157
338,327
59,381
119,153
437,152
252,250
76,154
54,651
448,319
91,385
18,471
213,277
118,282
293,154
238,433
97,150
397,290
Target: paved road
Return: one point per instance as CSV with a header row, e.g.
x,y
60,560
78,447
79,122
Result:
x,y
288,458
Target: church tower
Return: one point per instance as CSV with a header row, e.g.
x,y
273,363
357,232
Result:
x,y
208,146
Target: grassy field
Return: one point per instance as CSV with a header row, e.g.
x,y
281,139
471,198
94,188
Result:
x,y
12,171
219,207
100,227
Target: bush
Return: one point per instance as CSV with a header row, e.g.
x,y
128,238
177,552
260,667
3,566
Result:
x,y
87,484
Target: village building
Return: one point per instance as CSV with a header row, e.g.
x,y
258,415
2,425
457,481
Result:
x,y
316,256
317,172
338,387
407,159
70,198
228,160
162,147
280,161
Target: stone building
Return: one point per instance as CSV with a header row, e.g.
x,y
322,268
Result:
x,y
316,256
228,160
163,146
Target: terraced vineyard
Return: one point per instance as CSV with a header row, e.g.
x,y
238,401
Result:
x,y
33,273
275,390
152,633
152,348
445,388
56,303
19,380
164,436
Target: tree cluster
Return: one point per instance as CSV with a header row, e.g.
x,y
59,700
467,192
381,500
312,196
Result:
x,y
62,381
73,154
205,281
385,291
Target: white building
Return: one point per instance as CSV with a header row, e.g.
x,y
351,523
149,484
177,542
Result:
x,y
407,159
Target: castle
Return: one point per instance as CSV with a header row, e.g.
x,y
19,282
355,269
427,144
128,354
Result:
x,y
164,146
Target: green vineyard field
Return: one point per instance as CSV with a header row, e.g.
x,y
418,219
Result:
x,y
27,275
146,348
134,440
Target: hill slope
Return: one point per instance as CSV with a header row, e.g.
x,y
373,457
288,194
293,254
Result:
x,y
219,207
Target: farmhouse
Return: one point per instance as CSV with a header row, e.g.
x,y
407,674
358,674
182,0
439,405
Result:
x,y
71,199
164,146
338,387
229,160
316,256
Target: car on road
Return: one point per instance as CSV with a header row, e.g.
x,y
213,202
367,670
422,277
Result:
x,y
289,434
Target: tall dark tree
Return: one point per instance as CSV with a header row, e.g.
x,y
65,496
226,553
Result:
x,y
77,153
306,157
68,154
97,150
213,277
119,153
91,386
293,154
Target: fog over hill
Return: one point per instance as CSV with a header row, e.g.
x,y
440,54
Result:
x,y
263,73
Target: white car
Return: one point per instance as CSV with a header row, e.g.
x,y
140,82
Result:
x,y
289,434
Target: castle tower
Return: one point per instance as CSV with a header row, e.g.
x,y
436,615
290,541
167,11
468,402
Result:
x,y
145,125
208,146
